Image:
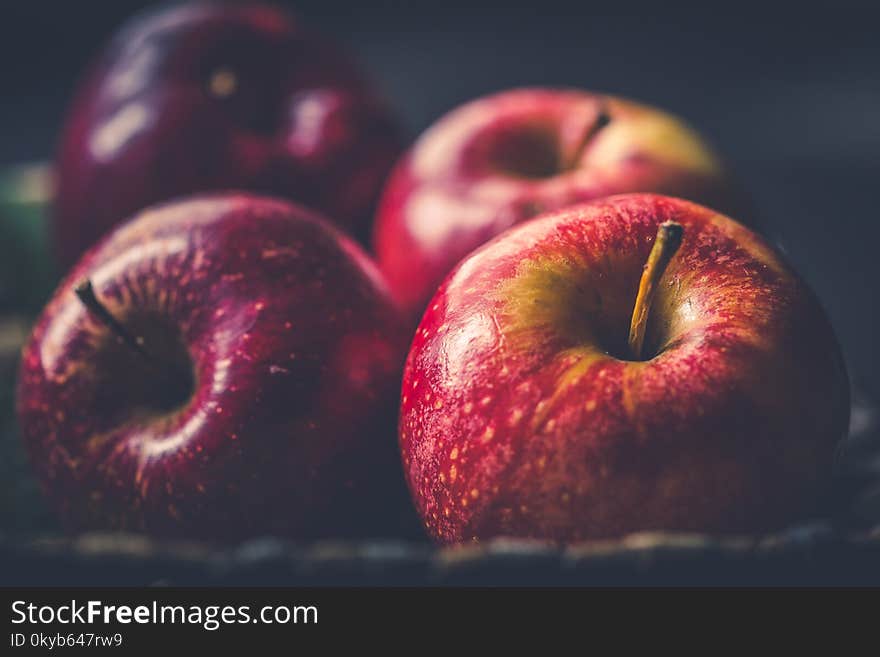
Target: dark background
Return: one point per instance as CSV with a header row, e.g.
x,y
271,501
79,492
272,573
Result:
x,y
790,95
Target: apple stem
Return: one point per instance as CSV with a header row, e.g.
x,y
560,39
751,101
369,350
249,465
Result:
x,y
669,236
166,372
603,118
86,294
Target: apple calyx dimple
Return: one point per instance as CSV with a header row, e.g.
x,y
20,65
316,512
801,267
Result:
x,y
174,384
669,236
223,82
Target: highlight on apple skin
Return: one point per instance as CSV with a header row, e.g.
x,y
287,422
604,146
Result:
x,y
504,158
207,96
219,367
523,413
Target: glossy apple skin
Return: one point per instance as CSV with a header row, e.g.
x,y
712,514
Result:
x,y
296,350
516,420
157,116
505,158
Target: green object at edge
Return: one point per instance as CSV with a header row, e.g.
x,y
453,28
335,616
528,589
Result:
x,y
27,271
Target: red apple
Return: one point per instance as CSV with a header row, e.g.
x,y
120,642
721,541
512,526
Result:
x,y
524,412
227,372
206,96
505,158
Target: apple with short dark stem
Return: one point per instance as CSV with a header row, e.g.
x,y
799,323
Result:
x,y
220,367
505,158
209,96
540,401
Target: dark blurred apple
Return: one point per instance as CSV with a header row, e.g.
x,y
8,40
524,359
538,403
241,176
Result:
x,y
207,96
527,412
219,367
505,158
